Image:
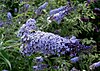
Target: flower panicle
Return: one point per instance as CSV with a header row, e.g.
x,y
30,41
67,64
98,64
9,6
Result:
x,y
52,12
44,42
58,14
39,10
95,65
9,16
74,60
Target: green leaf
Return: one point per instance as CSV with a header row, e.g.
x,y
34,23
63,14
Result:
x,y
5,59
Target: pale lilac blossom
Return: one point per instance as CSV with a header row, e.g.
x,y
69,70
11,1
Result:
x,y
9,16
35,41
39,10
95,65
74,60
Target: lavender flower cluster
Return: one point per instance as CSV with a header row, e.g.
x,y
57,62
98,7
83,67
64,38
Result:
x,y
59,13
39,10
9,16
46,43
95,65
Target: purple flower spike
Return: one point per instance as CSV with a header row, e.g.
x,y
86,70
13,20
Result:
x,y
58,14
34,41
43,6
58,17
95,65
52,12
9,15
75,59
26,7
39,10
97,11
15,10
1,23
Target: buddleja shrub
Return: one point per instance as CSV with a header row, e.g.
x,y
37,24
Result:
x,y
61,22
